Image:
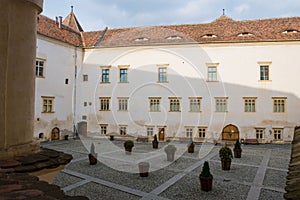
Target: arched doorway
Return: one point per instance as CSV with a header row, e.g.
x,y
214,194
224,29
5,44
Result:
x,y
55,134
161,133
230,132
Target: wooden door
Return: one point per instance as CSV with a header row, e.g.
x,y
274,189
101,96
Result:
x,y
230,132
161,134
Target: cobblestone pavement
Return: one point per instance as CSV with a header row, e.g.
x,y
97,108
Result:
x,y
259,174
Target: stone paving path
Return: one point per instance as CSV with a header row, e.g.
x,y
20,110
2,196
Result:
x,y
259,174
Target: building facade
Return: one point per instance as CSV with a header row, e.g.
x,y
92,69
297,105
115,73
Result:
x,y
222,80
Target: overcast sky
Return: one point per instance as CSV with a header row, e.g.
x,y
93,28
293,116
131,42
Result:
x,y
97,14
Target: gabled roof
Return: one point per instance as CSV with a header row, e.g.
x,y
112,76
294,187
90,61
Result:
x,y
72,22
223,29
49,28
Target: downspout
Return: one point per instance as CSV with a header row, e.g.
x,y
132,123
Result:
x,y
75,133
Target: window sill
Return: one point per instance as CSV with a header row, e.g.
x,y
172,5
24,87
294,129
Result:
x,y
104,82
264,81
123,82
122,110
154,111
162,82
216,81
104,110
195,111
48,112
40,77
174,111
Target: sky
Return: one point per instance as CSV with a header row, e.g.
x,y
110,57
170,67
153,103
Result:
x,y
95,15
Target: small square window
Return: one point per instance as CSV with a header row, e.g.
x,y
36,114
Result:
x,y
189,132
123,130
103,129
277,133
48,103
85,77
150,130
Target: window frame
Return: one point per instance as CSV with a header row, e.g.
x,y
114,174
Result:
x,y
201,133
278,107
38,67
123,103
123,67
217,108
123,129
260,133
154,107
189,131
105,130
192,104
275,134
85,77
215,77
262,72
102,103
249,107
148,127
46,105
174,104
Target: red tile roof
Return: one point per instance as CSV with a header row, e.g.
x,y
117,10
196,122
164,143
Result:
x,y
223,29
49,28
72,22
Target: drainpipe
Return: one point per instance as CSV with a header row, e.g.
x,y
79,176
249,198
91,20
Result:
x,y
75,134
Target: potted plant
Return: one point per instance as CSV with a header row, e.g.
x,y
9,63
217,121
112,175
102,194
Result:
x,y
155,142
93,155
237,149
191,146
144,169
128,145
170,151
225,154
206,178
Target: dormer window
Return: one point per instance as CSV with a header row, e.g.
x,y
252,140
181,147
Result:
x,y
290,31
245,34
209,36
174,37
141,39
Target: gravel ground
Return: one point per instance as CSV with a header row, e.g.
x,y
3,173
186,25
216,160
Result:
x,y
170,178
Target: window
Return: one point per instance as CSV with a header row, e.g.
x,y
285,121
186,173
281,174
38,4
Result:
x,y
201,132
162,74
221,104
48,104
277,133
174,104
123,103
104,103
264,70
85,104
103,129
39,68
66,81
84,117
189,132
123,130
212,71
260,133
105,76
249,104
123,73
195,103
150,130
85,77
279,104
154,104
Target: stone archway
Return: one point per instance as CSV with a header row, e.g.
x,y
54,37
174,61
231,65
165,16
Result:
x,y
55,134
230,132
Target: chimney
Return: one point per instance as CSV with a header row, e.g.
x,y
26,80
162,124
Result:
x,y
56,20
60,22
